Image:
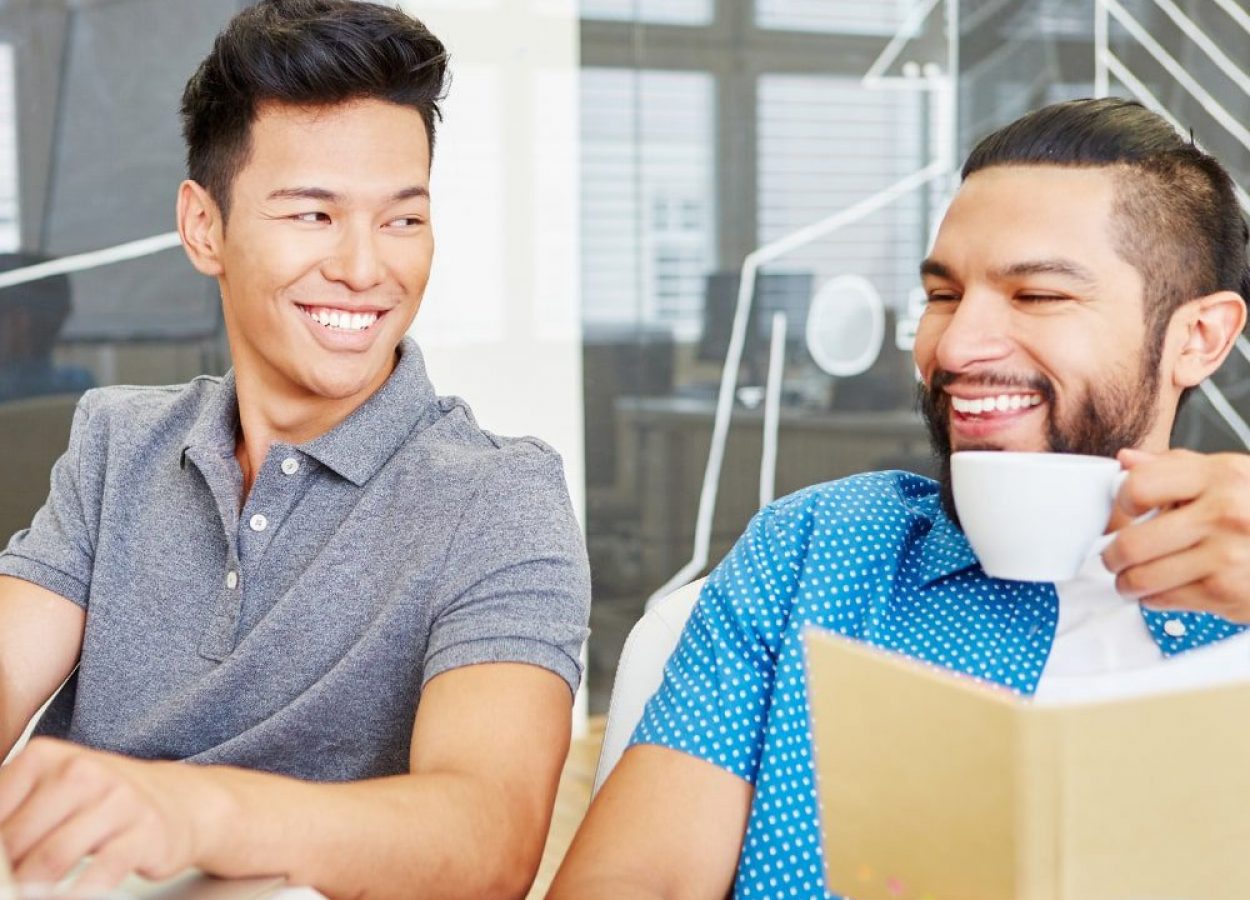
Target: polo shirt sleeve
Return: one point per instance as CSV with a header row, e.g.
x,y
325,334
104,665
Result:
x,y
713,701
57,551
516,584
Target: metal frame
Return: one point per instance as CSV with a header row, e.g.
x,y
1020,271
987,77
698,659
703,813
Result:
x,y
941,83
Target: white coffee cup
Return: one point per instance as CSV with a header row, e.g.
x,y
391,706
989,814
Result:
x,y
1033,516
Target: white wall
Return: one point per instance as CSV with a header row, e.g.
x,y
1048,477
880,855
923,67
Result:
x,y
500,324
501,321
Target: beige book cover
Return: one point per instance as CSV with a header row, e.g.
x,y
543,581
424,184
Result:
x,y
936,786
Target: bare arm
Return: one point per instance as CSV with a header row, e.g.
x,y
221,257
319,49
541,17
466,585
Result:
x,y
469,820
665,825
40,639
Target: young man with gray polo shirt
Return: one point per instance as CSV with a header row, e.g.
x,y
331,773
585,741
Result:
x,y
357,611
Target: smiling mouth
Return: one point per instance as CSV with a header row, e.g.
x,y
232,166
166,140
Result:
x,y
342,320
997,405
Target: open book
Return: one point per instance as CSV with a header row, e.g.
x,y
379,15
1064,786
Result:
x,y
935,786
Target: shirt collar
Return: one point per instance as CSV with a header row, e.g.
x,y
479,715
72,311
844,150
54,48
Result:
x,y
358,446
362,443
216,427
943,550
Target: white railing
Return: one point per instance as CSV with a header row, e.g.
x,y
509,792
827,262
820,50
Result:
x,y
942,83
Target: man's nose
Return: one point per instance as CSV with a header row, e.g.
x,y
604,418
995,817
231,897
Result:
x,y
356,260
978,332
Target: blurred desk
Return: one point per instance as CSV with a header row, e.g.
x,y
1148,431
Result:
x,y
663,452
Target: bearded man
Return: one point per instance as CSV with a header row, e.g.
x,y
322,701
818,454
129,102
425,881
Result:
x,y
1089,273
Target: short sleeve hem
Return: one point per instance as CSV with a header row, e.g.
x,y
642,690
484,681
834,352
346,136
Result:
x,y
44,576
742,760
504,650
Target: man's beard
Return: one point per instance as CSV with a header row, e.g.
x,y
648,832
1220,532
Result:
x,y
1102,422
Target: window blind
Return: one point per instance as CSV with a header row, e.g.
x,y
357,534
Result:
x,y
648,233
833,16
10,231
826,143
659,12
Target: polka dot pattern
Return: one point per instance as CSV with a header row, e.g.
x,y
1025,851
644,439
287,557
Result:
x,y
872,557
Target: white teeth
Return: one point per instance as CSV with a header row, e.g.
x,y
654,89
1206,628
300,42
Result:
x,y
341,319
1001,403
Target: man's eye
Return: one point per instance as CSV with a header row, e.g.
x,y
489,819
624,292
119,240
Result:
x,y
312,217
942,297
407,222
1040,298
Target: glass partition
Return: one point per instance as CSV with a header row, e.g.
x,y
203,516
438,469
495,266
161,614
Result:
x,y
822,139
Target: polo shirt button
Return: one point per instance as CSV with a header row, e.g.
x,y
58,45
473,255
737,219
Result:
x,y
290,465
259,522
232,579
1175,628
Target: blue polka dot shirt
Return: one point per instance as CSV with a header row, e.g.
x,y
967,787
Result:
x,y
872,557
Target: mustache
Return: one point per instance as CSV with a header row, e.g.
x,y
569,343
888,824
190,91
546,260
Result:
x,y
942,379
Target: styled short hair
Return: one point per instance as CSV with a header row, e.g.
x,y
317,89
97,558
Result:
x,y
1177,220
307,53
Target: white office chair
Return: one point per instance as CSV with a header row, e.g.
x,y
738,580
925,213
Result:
x,y
22,741
30,726
641,669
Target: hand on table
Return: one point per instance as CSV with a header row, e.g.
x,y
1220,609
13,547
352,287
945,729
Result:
x,y
60,802
1195,553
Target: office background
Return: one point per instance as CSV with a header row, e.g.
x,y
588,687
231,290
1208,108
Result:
x,y
604,170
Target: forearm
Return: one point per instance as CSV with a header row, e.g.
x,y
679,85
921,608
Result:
x,y
614,872
16,709
578,886
440,835
40,639
10,727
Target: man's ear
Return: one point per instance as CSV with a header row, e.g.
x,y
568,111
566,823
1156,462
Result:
x,y
201,227
1211,326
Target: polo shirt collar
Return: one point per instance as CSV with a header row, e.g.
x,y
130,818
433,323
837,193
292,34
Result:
x,y
358,446
362,443
216,427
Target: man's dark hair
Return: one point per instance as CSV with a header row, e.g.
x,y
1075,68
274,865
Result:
x,y
303,53
1176,217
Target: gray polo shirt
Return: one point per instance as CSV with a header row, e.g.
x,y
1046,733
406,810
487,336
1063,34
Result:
x,y
295,635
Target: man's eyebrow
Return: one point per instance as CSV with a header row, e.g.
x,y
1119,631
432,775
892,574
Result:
x,y
327,196
304,193
408,193
1065,268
